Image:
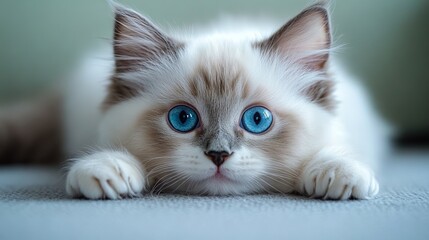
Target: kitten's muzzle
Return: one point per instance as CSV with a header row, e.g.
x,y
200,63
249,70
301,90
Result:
x,y
218,158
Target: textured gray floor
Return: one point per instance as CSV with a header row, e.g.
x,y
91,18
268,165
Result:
x,y
33,206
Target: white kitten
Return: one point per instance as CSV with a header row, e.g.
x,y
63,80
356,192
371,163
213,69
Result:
x,y
221,113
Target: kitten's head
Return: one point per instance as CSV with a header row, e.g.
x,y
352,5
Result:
x,y
222,114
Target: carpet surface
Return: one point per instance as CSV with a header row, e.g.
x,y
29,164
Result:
x,y
33,206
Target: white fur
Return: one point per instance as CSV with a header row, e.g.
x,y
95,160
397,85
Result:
x,y
332,174
105,174
85,91
328,156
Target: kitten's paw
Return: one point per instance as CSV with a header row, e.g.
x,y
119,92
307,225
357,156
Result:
x,y
108,174
338,179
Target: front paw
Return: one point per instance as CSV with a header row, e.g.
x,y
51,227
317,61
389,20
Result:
x,y
109,174
338,180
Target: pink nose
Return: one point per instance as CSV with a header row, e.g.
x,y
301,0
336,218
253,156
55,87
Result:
x,y
218,158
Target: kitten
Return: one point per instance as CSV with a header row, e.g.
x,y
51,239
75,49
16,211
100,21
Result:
x,y
220,114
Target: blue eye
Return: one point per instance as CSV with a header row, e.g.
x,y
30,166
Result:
x,y
183,118
256,119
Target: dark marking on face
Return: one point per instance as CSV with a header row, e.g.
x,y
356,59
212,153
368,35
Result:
x,y
118,92
161,144
220,88
193,86
321,93
219,81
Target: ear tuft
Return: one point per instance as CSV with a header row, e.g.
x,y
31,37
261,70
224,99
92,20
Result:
x,y
306,38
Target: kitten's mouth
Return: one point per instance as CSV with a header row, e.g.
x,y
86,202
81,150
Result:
x,y
219,177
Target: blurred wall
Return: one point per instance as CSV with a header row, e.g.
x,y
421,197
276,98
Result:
x,y
386,42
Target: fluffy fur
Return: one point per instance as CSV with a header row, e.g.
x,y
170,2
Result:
x,y
120,108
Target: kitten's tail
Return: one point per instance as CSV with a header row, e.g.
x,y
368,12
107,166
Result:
x,y
31,132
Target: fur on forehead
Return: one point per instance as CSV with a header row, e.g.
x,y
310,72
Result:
x,y
225,61
288,65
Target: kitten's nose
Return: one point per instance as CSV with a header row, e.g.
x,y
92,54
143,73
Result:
x,y
218,158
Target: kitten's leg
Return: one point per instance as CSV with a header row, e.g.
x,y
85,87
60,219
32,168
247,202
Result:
x,y
105,174
334,174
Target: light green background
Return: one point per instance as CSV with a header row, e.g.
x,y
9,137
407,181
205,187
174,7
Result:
x,y
387,42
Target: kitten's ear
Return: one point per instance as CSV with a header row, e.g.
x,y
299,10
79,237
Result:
x,y
138,45
138,42
306,37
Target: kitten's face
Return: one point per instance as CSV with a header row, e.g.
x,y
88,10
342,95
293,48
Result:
x,y
221,116
218,131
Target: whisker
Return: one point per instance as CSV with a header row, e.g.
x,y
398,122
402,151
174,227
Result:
x,y
288,184
271,186
171,181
